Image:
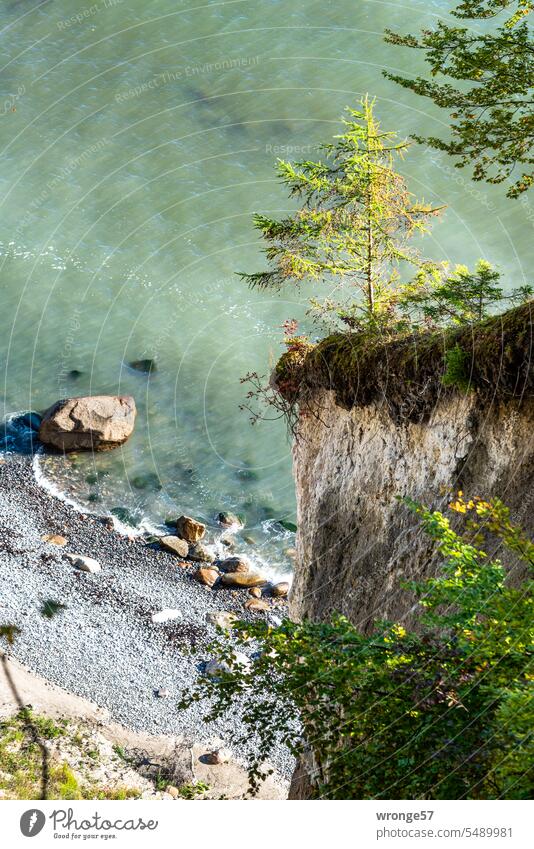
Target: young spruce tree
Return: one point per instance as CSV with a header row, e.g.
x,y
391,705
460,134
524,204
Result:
x,y
353,228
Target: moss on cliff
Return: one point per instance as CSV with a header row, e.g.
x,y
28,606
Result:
x,y
407,374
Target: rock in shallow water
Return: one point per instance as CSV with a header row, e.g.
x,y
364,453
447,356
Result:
x,y
228,520
236,564
95,423
146,366
189,529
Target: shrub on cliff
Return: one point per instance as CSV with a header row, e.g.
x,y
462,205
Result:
x,y
442,712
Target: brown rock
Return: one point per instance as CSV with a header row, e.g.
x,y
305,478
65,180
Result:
x,y
173,791
236,564
206,576
54,539
280,590
175,544
256,604
255,592
94,422
190,529
218,756
243,579
229,520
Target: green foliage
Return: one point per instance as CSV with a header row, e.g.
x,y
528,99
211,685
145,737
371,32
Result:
x,y
444,711
492,122
21,764
456,368
51,608
439,298
354,226
9,633
193,790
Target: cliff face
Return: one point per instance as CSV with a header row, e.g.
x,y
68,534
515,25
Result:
x,y
375,422
355,541
379,421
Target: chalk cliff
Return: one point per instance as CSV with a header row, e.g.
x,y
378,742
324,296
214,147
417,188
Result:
x,y
378,422
374,422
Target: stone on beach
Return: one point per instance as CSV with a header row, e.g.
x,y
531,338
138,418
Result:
x,y
280,590
256,604
206,576
54,539
175,545
236,564
83,563
222,619
215,668
243,579
166,615
162,693
189,529
218,756
97,423
202,554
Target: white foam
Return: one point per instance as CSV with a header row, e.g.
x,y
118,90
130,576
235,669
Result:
x,y
145,525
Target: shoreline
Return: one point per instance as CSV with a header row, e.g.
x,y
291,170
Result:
x,y
102,645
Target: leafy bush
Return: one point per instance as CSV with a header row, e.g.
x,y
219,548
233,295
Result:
x,y
456,368
443,711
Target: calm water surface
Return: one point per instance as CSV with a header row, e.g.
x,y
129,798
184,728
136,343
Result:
x,y
137,139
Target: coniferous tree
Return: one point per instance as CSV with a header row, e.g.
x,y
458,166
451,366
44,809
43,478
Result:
x,y
354,226
440,298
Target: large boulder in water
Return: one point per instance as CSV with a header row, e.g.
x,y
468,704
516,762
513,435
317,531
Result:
x,y
95,422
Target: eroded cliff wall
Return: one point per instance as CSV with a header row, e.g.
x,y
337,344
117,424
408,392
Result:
x,y
355,541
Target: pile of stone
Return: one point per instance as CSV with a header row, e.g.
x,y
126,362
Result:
x,y
234,573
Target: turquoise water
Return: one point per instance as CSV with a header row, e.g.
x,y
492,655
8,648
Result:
x,y
137,140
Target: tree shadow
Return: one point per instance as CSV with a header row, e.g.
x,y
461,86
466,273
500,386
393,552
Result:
x,y
29,725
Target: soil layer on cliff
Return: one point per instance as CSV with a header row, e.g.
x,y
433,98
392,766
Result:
x,y
410,375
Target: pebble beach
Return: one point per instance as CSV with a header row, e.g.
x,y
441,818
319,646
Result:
x,y
104,641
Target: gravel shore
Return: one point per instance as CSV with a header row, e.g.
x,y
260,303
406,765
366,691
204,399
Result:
x,y
103,644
